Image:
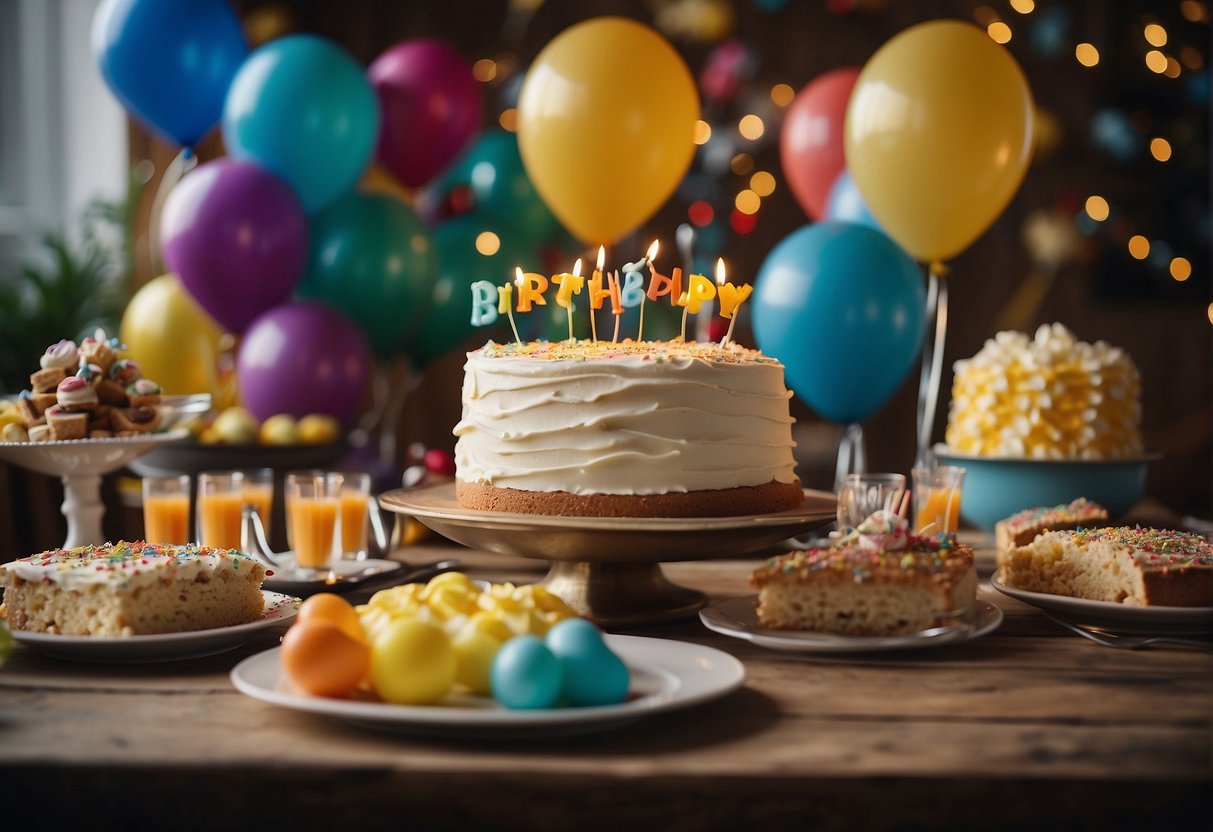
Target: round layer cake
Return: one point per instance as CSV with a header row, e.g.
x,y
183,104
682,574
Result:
x,y
637,429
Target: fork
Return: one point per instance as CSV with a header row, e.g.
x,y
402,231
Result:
x,y
1129,642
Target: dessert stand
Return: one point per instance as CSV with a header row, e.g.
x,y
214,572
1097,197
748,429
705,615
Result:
x,y
81,463
609,568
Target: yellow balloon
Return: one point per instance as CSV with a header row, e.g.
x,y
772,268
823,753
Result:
x,y
606,125
376,180
176,344
938,135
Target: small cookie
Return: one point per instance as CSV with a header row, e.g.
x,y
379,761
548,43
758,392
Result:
x,y
30,412
65,424
14,432
126,372
143,393
77,394
46,380
40,433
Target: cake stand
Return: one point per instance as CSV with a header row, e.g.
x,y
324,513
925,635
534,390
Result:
x,y
80,463
609,568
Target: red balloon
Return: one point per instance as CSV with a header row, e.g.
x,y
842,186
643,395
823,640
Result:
x,y
811,145
431,107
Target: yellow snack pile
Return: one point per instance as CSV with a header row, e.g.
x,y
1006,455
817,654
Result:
x,y
454,602
1048,397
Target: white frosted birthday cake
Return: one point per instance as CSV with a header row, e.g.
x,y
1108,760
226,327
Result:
x,y
128,589
641,429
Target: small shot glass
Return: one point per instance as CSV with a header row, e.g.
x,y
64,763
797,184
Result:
x,y
863,494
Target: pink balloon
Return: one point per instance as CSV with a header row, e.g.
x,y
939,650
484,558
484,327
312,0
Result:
x,y
811,144
302,358
431,106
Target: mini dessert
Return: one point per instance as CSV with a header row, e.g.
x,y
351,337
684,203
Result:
x,y
1021,529
66,424
30,410
14,432
64,355
45,381
100,418
76,394
648,429
99,350
1135,566
131,589
40,433
143,393
135,419
878,580
125,372
1051,397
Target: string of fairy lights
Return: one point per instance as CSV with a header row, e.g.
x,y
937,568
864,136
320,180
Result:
x,y
744,125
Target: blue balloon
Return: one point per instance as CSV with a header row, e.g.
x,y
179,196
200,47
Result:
x,y
846,203
842,306
303,108
170,63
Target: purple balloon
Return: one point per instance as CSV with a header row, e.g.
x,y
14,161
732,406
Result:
x,y
303,358
431,106
237,237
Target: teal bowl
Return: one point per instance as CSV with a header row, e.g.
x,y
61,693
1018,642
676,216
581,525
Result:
x,y
995,488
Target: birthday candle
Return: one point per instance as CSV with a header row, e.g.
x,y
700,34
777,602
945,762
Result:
x,y
570,284
484,311
699,289
505,297
597,293
531,287
731,297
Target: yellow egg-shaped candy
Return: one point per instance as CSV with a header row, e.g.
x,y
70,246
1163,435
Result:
x,y
412,663
474,654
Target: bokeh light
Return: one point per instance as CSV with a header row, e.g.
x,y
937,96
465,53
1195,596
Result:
x,y
488,243
1156,61
999,32
485,70
762,183
508,120
751,127
742,164
703,131
1139,247
1160,148
782,94
1097,208
748,202
1023,6
1155,35
1087,54
1181,269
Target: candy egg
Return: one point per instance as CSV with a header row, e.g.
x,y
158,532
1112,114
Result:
x,y
526,675
412,663
593,674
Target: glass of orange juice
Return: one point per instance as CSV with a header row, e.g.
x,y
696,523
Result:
x,y
313,520
355,515
166,509
218,509
258,489
937,493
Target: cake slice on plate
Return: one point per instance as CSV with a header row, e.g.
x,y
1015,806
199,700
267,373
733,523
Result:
x,y
1021,528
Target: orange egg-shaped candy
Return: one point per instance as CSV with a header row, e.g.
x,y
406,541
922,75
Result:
x,y
324,660
332,609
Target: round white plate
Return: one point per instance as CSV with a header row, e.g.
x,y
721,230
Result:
x,y
666,675
1122,618
162,647
738,617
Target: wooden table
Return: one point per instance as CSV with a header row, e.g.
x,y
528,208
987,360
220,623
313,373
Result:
x,y
1028,725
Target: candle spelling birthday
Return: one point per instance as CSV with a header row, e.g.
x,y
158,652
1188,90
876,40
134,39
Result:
x,y
731,298
570,284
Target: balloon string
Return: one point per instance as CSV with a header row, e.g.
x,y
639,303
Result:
x,y
182,163
932,361
852,455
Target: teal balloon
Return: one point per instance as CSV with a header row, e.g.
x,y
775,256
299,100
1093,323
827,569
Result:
x,y
374,259
843,307
447,322
492,171
846,203
302,107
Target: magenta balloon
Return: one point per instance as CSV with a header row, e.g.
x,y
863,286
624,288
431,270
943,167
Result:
x,y
303,358
431,106
237,237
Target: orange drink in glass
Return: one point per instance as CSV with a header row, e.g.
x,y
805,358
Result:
x,y
219,509
355,508
166,509
259,491
313,519
937,494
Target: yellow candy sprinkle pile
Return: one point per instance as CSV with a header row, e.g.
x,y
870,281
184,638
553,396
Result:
x,y
1049,397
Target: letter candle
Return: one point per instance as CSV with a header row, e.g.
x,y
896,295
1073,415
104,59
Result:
x,y
505,303
484,311
699,289
731,298
531,287
616,302
597,293
570,284
633,278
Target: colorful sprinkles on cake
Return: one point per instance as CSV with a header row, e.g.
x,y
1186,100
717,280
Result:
x,y
1159,548
583,350
129,559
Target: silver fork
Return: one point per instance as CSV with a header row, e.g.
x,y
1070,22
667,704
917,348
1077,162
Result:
x,y
1129,642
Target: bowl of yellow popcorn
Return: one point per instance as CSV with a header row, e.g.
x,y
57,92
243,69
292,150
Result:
x,y
1043,420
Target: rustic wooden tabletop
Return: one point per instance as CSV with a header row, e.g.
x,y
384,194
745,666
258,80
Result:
x,y
1028,725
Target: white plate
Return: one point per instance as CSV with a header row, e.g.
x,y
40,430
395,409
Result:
x,y
1122,618
666,675
738,617
162,647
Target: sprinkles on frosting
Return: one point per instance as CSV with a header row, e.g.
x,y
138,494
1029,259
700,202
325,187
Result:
x,y
658,351
1158,548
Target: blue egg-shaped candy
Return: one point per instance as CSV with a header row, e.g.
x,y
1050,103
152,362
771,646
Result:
x,y
593,674
526,675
